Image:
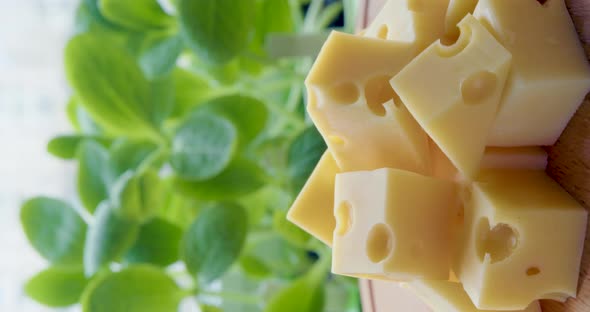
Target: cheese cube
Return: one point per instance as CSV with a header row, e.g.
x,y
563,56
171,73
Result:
x,y
419,22
456,11
550,75
522,241
355,109
393,224
313,209
445,296
454,92
526,157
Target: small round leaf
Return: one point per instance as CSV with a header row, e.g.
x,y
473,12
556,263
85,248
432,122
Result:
x,y
158,243
140,288
203,146
57,286
214,241
54,229
241,177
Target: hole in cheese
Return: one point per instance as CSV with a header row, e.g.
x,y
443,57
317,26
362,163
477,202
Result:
x,y
344,93
532,271
343,218
452,45
377,92
382,32
477,87
379,242
498,243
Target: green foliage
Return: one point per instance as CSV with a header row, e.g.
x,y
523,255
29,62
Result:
x,y
158,243
203,146
204,21
94,174
140,288
191,141
214,241
57,286
304,294
54,229
304,153
135,14
108,238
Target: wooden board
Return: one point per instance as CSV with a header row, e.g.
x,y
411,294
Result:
x,y
569,165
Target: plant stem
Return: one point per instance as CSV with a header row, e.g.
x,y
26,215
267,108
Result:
x,y
310,22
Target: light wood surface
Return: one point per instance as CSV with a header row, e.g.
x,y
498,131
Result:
x,y
569,165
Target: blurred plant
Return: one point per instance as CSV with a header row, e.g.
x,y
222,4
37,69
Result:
x,y
191,142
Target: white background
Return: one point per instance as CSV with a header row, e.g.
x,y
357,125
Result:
x,y
33,94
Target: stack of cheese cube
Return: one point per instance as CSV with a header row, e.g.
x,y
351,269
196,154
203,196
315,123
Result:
x,y
434,175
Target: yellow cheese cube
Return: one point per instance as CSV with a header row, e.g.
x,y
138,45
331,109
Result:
x,y
522,241
419,22
313,209
526,157
550,74
454,92
393,224
355,109
456,11
444,296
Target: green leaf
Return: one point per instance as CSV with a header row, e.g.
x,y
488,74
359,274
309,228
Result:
x,y
54,229
254,268
128,155
241,177
159,57
138,195
249,115
214,241
217,30
139,15
288,230
80,119
95,174
203,146
158,243
274,16
89,17
110,85
304,294
284,259
190,89
180,210
304,153
57,286
66,146
162,103
141,288
108,238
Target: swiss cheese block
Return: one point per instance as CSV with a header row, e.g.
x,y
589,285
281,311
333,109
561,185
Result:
x,y
393,224
454,92
355,109
456,11
419,22
526,157
313,209
444,296
522,241
550,74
